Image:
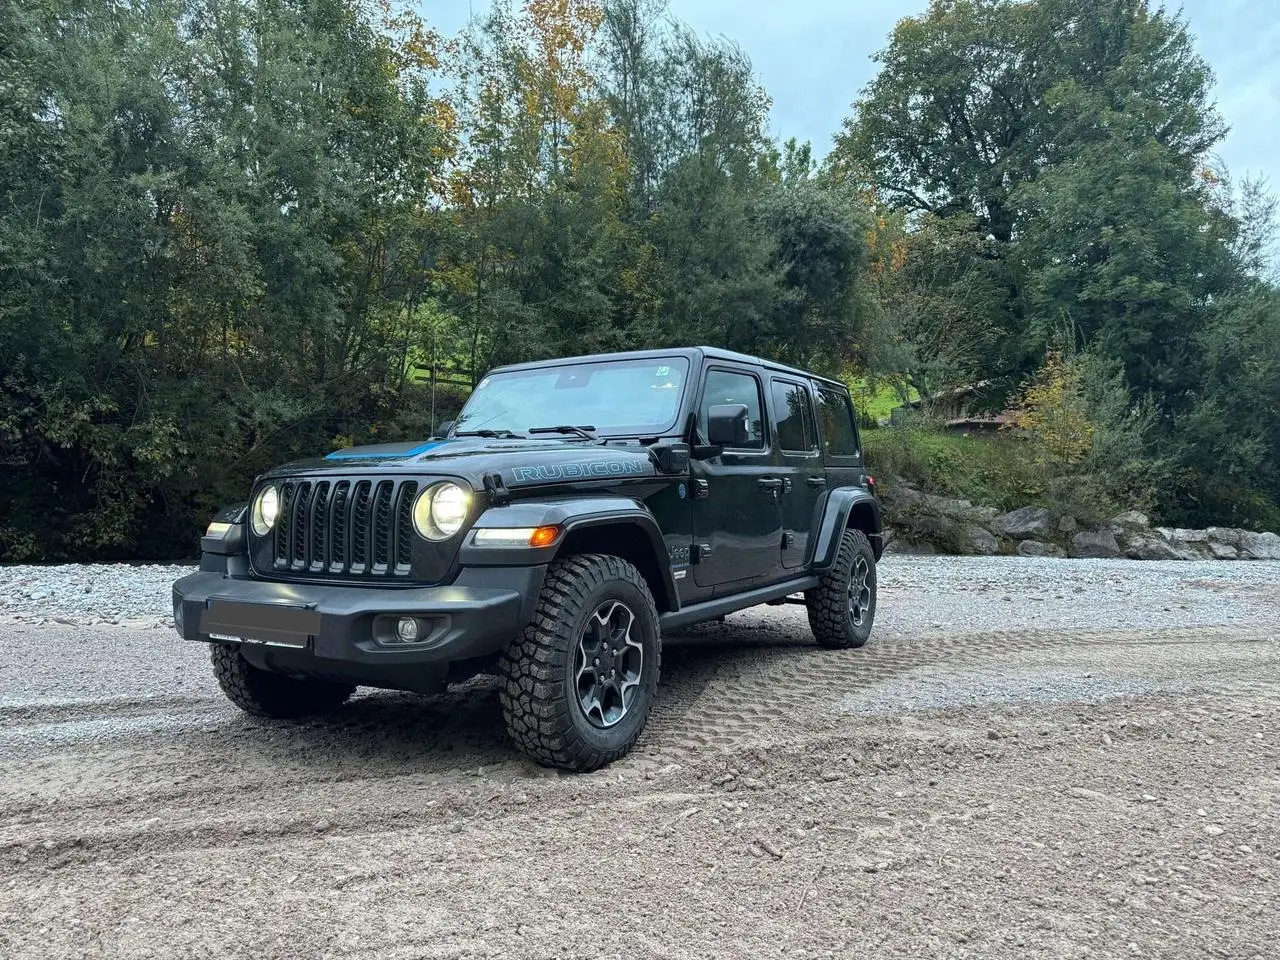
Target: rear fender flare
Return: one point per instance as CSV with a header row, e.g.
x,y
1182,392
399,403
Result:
x,y
846,507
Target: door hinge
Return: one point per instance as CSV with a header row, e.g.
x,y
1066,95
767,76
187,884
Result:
x,y
701,552
788,538
786,484
701,489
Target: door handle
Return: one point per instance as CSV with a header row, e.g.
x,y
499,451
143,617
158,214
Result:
x,y
770,485
817,481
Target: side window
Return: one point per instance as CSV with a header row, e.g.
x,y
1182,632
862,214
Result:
x,y
794,414
724,386
839,435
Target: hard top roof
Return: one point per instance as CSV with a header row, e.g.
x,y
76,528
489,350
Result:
x,y
693,354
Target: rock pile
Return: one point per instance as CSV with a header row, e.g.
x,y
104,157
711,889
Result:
x,y
920,522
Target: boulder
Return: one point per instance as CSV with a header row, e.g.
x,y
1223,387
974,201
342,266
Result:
x,y
903,546
980,541
1067,524
1179,535
1025,523
1224,551
958,509
1150,546
1036,548
1248,545
1132,518
1260,546
1095,544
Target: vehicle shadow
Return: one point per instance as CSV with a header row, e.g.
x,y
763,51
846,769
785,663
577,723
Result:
x,y
387,733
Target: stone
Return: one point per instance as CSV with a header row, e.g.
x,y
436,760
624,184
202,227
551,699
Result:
x,y
1179,535
1024,523
905,547
1037,548
1132,518
1260,546
1223,551
958,509
980,541
1067,524
1095,544
1149,546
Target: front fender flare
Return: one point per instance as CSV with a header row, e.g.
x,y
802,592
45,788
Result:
x,y
571,515
842,503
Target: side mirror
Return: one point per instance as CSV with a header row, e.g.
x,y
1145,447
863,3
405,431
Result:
x,y
727,425
444,428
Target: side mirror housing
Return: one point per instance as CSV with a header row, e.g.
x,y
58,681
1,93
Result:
x,y
727,425
444,428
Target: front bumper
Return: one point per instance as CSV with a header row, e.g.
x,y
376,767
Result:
x,y
470,619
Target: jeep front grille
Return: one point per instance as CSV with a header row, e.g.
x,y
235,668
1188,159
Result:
x,y
345,528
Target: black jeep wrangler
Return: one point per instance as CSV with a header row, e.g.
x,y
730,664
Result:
x,y
575,512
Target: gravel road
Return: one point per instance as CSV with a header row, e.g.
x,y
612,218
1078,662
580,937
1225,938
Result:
x,y
1032,758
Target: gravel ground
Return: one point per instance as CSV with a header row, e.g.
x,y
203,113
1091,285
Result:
x,y
1121,593
1030,759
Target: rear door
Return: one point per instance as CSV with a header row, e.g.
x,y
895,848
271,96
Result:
x,y
799,462
737,517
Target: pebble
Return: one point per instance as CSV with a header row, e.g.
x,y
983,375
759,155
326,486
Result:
x,y
1214,831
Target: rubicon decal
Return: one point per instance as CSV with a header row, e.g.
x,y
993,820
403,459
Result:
x,y
573,471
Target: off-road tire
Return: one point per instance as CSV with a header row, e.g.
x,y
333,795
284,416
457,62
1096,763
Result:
x,y
267,694
539,698
830,617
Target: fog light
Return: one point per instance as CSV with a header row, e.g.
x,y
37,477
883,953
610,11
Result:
x,y
407,630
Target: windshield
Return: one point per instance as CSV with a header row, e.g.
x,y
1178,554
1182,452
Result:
x,y
630,398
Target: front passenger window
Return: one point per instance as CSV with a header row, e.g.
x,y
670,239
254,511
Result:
x,y
726,387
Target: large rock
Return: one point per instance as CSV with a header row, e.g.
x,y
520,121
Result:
x,y
959,509
1247,544
1224,551
1025,523
1261,546
1095,544
980,541
1132,518
1035,548
1151,546
1067,524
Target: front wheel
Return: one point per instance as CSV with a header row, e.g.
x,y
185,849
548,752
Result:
x,y
264,693
578,683
842,607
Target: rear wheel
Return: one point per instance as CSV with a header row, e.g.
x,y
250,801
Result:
x,y
578,683
843,607
264,693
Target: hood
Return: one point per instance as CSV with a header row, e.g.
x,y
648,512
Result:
x,y
521,462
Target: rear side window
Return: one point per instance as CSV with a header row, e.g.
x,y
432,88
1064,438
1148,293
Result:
x,y
835,413
794,413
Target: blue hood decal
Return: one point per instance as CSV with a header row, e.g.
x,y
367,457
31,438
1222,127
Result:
x,y
389,451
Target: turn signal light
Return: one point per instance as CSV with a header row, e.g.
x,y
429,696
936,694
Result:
x,y
543,536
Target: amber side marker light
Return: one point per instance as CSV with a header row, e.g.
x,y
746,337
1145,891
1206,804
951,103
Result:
x,y
517,536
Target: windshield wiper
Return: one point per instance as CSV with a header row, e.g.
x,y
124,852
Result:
x,y
583,431
491,434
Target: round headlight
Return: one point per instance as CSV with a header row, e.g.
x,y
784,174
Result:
x,y
440,511
265,510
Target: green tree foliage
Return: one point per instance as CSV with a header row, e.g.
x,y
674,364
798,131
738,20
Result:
x,y
1075,140
234,233
212,235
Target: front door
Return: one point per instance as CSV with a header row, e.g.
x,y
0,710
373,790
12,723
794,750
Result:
x,y
799,465
737,517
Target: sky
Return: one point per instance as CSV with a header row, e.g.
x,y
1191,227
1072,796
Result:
x,y
813,56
